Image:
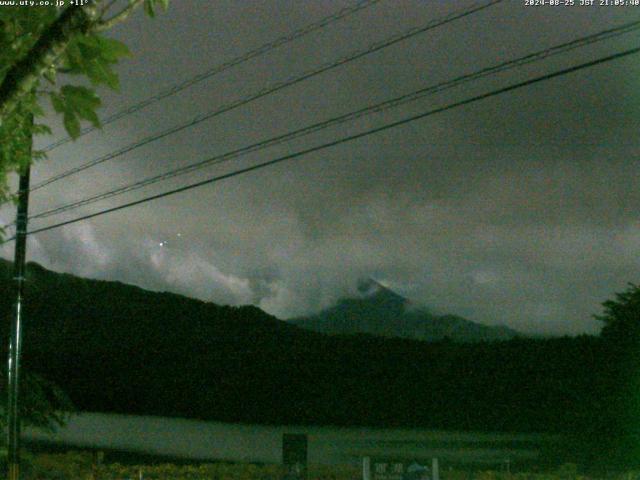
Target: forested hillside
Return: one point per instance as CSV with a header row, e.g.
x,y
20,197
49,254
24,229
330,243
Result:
x,y
118,348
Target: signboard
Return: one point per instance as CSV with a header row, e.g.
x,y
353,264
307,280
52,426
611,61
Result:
x,y
399,469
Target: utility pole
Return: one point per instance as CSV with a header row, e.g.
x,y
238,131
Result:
x,y
15,340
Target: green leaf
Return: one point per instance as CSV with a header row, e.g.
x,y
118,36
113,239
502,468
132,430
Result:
x,y
37,110
73,58
102,48
38,155
91,116
57,102
112,50
93,55
40,129
149,8
71,124
88,50
101,73
106,75
50,75
82,101
81,97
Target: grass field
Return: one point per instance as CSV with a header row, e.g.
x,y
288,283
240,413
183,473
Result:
x,y
76,465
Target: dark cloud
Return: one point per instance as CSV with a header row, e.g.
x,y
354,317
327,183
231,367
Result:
x,y
521,209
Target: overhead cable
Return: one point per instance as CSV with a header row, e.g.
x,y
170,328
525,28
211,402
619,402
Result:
x,y
272,89
261,50
378,107
339,141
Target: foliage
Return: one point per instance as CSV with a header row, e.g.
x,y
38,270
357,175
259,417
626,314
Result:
x,y
43,404
80,465
621,402
621,317
192,472
567,471
150,6
70,465
28,35
88,54
187,358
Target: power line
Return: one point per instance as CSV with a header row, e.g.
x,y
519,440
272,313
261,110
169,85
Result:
x,y
333,143
261,50
272,89
395,102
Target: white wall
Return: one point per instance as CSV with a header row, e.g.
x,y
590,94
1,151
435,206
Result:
x,y
255,443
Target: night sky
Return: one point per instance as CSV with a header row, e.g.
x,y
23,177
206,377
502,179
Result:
x,y
520,209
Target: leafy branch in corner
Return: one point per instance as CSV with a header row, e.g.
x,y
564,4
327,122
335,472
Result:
x,y
45,43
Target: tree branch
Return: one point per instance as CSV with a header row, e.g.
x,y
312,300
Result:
x,y
24,75
121,16
106,8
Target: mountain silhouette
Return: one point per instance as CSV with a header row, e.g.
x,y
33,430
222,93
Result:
x,y
119,348
380,311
